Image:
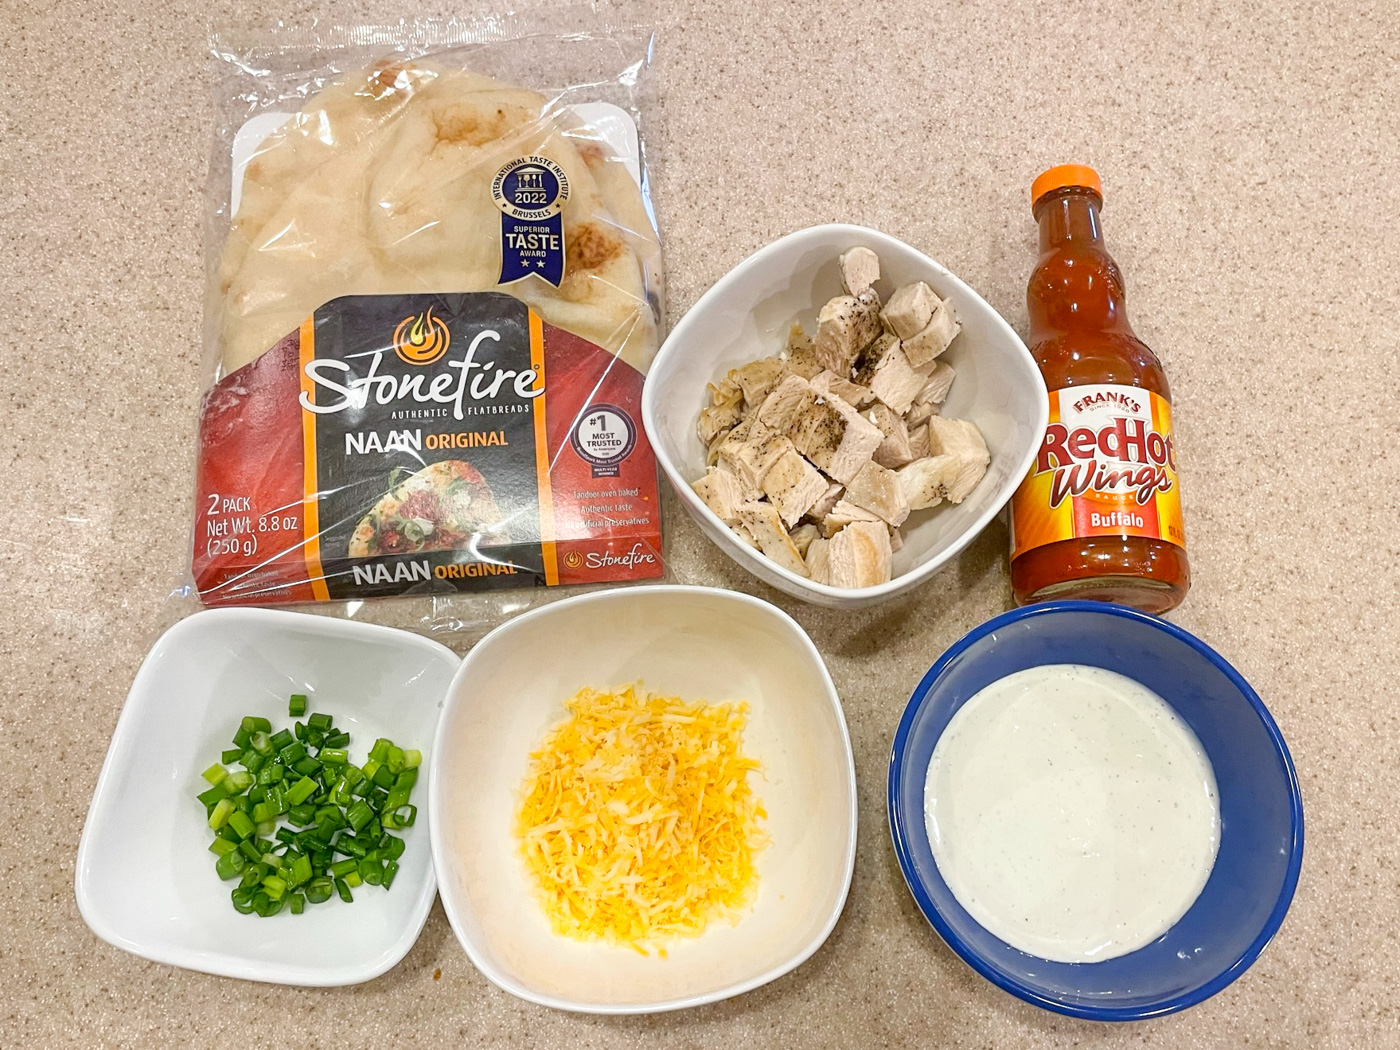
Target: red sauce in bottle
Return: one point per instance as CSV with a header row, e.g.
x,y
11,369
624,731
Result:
x,y
1099,514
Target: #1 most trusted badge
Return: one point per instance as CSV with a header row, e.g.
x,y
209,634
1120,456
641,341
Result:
x,y
531,192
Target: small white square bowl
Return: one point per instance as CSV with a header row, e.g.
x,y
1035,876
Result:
x,y
145,877
693,642
747,315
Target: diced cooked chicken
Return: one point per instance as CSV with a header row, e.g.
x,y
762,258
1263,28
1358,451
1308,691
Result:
x,y
828,382
793,485
910,309
728,389
818,562
886,371
786,404
876,489
846,326
859,555
830,498
802,538
894,451
936,386
843,514
815,456
721,492
922,347
860,268
801,355
833,436
718,419
751,459
958,463
763,522
948,437
918,442
757,378
742,531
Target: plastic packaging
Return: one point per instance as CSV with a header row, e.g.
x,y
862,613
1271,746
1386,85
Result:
x,y
434,289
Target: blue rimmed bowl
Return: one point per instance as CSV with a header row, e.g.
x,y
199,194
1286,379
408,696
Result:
x,y
1261,811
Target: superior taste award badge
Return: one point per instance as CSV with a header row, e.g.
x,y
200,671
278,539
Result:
x,y
531,193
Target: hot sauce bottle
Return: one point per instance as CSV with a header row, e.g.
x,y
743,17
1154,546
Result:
x,y
1099,514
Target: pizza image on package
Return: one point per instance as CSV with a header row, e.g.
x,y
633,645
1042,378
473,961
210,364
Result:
x,y
442,507
434,386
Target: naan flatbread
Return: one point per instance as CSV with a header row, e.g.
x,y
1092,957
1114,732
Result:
x,y
381,185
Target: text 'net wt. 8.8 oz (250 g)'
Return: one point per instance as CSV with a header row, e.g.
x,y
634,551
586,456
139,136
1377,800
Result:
x,y
433,297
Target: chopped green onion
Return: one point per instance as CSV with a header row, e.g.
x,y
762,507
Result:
x,y
241,823
292,753
223,809
320,889
230,865
302,790
239,780
305,774
254,874
308,767
395,760
359,815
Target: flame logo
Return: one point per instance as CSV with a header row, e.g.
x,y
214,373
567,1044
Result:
x,y
573,559
421,340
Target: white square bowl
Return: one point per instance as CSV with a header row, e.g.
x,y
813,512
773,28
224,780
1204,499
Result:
x,y
145,877
693,642
747,315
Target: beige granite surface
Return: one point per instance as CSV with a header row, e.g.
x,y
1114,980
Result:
x,y
1249,151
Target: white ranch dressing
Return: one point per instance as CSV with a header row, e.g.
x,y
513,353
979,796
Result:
x,y
1072,812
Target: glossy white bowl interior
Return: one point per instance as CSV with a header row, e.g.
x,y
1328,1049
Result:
x,y
697,643
145,877
747,315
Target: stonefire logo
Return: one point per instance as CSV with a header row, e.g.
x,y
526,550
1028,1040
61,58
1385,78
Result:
x,y
573,559
422,339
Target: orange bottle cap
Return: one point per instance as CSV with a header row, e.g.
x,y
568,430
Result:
x,y
1062,175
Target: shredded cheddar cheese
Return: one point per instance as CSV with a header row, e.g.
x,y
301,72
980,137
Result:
x,y
638,822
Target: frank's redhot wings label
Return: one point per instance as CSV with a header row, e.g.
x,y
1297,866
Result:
x,y
423,444
1106,467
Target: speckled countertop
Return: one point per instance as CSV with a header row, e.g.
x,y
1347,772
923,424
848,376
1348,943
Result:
x,y
1249,152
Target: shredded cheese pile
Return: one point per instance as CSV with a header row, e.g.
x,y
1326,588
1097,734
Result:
x,y
638,821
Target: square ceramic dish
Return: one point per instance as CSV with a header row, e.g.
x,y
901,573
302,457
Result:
x,y
145,878
746,316
692,642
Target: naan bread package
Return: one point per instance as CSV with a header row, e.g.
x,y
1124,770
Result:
x,y
435,288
